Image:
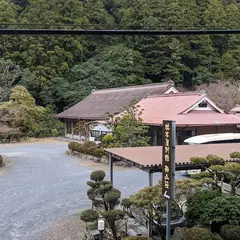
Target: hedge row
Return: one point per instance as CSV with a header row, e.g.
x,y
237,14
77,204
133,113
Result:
x,y
235,155
230,232
88,147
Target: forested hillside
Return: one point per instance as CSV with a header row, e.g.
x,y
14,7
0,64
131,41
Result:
x,y
61,70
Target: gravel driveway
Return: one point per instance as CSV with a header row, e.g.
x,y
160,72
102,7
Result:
x,y
42,185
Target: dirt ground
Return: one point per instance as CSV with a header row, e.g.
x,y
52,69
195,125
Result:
x,y
71,228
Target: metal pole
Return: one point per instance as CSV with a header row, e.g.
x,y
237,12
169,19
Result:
x,y
150,178
173,157
100,235
110,162
168,220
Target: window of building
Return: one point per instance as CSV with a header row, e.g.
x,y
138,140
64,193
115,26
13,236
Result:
x,y
203,104
188,133
95,133
103,133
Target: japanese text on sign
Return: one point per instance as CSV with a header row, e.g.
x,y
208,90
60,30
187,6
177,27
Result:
x,y
166,161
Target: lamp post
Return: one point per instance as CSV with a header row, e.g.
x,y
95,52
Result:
x,y
101,227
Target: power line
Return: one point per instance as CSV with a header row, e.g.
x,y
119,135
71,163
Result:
x,y
119,26
115,32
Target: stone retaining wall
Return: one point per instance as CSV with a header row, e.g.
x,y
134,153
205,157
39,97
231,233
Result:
x,y
103,159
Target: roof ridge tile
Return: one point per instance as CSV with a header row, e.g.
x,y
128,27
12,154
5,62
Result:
x,y
164,84
175,94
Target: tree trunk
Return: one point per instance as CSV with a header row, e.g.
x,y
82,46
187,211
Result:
x,y
114,231
233,188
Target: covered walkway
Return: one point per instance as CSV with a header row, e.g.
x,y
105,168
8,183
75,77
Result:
x,y
150,158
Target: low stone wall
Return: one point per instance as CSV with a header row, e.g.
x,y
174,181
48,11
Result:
x,y
88,157
103,159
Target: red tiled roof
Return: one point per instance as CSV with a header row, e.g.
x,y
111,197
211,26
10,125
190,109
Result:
x,y
202,118
152,156
157,108
236,109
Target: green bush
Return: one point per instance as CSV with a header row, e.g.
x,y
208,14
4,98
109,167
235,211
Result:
x,y
98,152
89,215
108,139
126,203
137,238
73,146
214,159
201,175
194,233
230,232
112,195
1,161
88,144
97,175
196,204
79,147
235,155
198,160
90,151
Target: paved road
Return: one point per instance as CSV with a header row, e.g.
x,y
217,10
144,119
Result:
x,y
43,185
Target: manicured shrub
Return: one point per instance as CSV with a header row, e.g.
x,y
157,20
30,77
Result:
x,y
98,152
235,155
112,196
194,233
90,151
198,160
73,146
126,203
97,175
138,238
87,145
196,204
230,232
214,159
108,139
201,175
79,147
89,215
1,161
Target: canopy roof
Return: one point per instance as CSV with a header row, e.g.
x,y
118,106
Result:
x,y
151,157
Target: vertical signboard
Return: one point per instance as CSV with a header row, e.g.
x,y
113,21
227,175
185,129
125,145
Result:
x,y
168,159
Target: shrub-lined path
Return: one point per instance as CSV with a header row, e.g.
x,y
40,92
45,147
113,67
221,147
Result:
x,y
42,185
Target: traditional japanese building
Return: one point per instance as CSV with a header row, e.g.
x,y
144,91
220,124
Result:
x,y
101,103
194,113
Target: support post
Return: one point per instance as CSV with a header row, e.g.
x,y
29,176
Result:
x,y
168,220
100,235
150,178
150,224
65,128
110,162
155,136
72,128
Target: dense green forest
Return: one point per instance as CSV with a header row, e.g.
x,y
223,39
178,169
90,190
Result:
x,y
60,70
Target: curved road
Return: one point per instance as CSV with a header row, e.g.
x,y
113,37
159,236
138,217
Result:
x,y
43,185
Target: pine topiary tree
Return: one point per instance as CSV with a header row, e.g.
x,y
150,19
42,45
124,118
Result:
x,y
104,199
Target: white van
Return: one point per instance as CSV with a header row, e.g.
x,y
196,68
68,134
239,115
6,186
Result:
x,y
213,138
